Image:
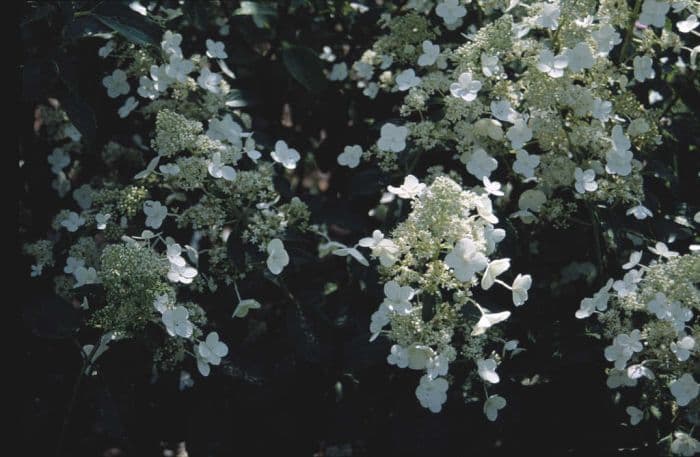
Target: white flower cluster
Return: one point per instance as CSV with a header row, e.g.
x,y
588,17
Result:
x,y
143,274
651,312
432,262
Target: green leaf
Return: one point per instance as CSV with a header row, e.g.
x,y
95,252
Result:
x,y
133,26
80,113
305,67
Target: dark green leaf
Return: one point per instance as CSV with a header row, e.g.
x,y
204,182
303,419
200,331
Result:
x,y
133,26
305,67
80,113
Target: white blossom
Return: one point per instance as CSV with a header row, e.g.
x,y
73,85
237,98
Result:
x,y
217,169
407,79
466,260
492,405
549,17
519,133
450,11
171,43
215,49
398,298
640,212
285,155
654,12
430,54
580,57
636,414
178,68
101,220
520,287
410,188
58,159
277,256
210,351
585,180
73,221
480,164
177,322
392,138
465,88
116,84
383,248
487,370
684,389
129,105
684,444
339,72
552,65
643,68
525,163
432,393
683,347
155,213
606,38
350,157
493,270
209,80
688,25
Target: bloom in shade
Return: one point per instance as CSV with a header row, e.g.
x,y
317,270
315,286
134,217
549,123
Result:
x,y
285,155
277,256
579,58
339,72
684,389
684,444
210,351
215,49
682,348
643,68
383,248
155,213
397,297
410,188
129,105
494,269
73,221
525,163
432,393
177,322
407,79
465,259
450,11
209,80
487,370
549,17
640,212
392,138
430,54
116,84
552,65
465,88
519,133
350,157
492,405
654,12
488,320
244,306
520,286
585,180
636,414
481,164
218,170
